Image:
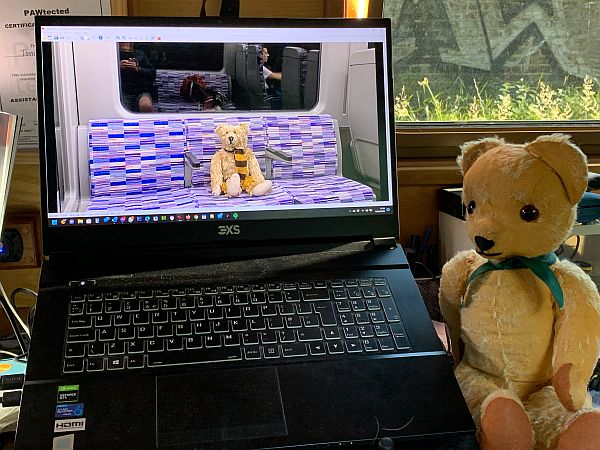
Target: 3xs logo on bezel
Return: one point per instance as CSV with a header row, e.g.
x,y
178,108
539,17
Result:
x,y
228,230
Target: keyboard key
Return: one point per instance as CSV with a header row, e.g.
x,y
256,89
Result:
x,y
196,314
73,365
145,331
112,306
250,338
131,305
174,343
331,333
212,341
115,363
287,336
366,331
335,347
187,302
96,349
135,361
325,311
204,301
275,297
383,291
222,300
79,322
74,350
310,320
76,308
107,334
379,281
94,308
292,296
370,344
317,348
390,309
381,330
231,339
369,292
103,320
141,318
292,321
353,346
122,319
258,298
183,329
95,364
294,350
309,334
83,335
387,344
252,352
164,330
193,342
136,346
268,337
155,345
167,304
354,293
179,316
271,351
377,316
315,295
350,332
116,348
304,308
203,355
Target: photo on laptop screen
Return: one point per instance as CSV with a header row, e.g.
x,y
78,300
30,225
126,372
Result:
x,y
137,112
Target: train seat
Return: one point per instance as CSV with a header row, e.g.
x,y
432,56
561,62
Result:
x,y
137,165
312,171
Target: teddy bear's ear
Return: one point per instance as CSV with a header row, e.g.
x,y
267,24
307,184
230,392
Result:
x,y
470,151
220,130
565,159
245,127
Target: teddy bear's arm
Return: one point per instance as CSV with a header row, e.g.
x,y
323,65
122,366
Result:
x,y
216,173
577,336
254,167
452,288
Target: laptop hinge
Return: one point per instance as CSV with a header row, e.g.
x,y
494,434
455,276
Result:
x,y
381,242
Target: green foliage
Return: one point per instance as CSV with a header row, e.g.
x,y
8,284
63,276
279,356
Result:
x,y
458,102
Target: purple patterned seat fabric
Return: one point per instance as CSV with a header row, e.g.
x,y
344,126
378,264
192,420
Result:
x,y
168,83
135,164
312,175
203,143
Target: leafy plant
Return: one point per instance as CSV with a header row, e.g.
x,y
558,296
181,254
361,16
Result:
x,y
491,101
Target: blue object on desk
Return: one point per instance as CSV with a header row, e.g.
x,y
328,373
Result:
x,y
10,366
588,208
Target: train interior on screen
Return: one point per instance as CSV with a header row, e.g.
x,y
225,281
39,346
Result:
x,y
133,144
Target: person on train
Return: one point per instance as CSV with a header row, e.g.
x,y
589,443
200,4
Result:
x,y
137,78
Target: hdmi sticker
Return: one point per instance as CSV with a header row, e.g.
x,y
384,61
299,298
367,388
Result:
x,y
65,425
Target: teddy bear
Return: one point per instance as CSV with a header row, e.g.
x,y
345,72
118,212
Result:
x,y
524,326
234,168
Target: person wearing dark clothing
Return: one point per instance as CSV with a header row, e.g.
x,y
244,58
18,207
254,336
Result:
x,y
137,78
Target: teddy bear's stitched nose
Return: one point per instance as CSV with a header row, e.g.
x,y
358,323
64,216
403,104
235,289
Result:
x,y
230,139
483,243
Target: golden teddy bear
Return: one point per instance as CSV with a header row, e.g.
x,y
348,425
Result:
x,y
234,168
524,326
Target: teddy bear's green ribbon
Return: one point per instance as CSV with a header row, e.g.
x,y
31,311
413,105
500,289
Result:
x,y
540,266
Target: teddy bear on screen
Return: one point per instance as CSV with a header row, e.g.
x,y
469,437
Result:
x,y
234,168
524,326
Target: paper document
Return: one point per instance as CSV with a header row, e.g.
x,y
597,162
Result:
x,y
10,126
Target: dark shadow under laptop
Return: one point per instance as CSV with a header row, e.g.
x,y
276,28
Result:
x,y
179,307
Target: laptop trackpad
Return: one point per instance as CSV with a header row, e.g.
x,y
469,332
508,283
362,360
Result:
x,y
218,405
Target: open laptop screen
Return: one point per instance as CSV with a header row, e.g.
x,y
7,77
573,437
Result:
x,y
149,122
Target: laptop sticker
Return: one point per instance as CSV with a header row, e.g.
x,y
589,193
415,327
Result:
x,y
69,410
69,425
68,393
64,442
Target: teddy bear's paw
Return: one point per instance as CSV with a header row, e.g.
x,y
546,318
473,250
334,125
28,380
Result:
x,y
505,425
216,192
581,433
263,188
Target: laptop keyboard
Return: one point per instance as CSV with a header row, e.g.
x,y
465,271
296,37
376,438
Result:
x,y
166,327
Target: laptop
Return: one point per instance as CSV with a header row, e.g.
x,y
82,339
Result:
x,y
176,311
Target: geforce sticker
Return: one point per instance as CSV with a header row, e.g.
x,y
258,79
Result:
x,y
69,425
68,393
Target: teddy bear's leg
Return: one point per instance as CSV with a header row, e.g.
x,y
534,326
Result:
x,y
557,428
262,188
234,187
501,420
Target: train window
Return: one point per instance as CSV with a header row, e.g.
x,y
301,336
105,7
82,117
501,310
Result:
x,y
202,77
484,60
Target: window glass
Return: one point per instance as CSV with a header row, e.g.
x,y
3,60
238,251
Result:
x,y
193,77
495,60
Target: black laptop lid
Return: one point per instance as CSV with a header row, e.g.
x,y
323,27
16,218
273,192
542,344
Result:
x,y
116,175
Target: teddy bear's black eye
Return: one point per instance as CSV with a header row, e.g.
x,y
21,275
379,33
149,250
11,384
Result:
x,y
471,207
529,213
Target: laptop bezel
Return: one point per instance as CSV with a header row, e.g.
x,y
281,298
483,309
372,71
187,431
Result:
x,y
162,236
